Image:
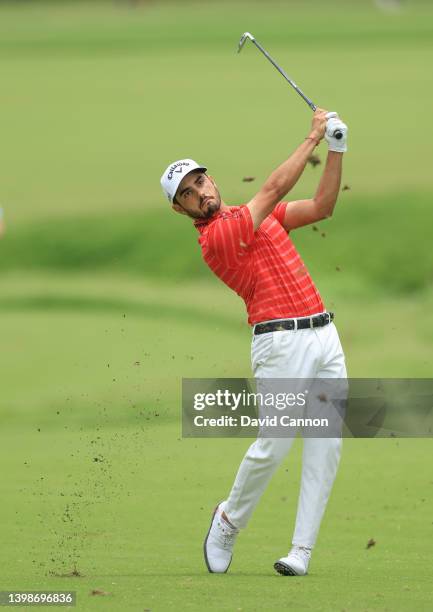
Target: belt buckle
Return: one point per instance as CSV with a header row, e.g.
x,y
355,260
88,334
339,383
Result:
x,y
311,322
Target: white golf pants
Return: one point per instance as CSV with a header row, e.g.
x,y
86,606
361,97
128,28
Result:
x,y
307,353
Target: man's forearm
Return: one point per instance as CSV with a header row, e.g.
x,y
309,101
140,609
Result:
x,y
285,177
329,186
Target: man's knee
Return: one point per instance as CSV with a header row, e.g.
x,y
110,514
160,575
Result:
x,y
270,450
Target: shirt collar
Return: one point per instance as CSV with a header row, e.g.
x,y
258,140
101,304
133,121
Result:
x,y
201,223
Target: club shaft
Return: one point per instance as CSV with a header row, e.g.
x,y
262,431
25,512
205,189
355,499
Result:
x,y
337,134
288,79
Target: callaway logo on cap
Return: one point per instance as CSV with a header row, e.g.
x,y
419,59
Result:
x,y
174,174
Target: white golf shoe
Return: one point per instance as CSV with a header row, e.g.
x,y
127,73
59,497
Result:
x,y
296,563
219,542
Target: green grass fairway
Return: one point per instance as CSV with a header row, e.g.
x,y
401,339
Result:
x,y
105,303
96,475
117,521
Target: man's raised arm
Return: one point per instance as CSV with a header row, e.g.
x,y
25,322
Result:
x,y
305,212
285,177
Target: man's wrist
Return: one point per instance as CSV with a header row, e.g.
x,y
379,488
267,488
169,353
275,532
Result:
x,y
313,136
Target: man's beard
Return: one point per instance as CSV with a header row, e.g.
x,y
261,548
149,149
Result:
x,y
211,210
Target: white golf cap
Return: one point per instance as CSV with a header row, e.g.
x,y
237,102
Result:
x,y
174,174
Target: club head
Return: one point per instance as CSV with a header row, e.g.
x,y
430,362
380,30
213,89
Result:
x,y
244,37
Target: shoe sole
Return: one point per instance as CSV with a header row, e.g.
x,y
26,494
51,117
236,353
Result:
x,y
205,542
284,570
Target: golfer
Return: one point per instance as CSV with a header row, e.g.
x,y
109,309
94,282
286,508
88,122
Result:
x,y
249,249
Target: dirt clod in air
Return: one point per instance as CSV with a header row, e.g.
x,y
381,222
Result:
x,y
346,188
314,160
371,542
248,179
315,228
322,397
98,592
73,574
338,268
323,235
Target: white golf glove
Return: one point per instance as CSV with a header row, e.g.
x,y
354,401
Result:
x,y
334,123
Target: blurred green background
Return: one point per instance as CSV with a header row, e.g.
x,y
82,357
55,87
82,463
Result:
x,y
105,303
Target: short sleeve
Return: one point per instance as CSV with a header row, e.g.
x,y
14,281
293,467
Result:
x,y
279,212
230,236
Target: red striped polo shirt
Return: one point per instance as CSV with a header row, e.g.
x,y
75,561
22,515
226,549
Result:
x,y
263,267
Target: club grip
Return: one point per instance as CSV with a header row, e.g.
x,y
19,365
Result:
x,y
338,134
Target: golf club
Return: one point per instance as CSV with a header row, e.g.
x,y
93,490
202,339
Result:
x,y
247,36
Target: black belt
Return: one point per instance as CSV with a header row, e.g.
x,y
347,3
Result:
x,y
290,324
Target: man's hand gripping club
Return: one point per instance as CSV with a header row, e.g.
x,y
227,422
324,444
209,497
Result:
x,y
285,177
